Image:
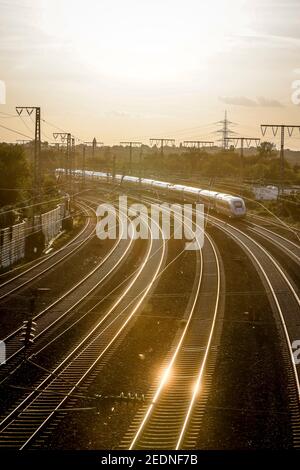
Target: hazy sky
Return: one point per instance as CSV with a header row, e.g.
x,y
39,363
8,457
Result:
x,y
136,69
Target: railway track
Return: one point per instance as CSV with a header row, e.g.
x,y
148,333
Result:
x,y
41,267
290,248
63,306
284,300
275,221
174,405
173,410
285,303
24,425
286,245
268,221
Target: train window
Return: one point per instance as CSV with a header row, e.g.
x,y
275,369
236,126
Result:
x,y
238,204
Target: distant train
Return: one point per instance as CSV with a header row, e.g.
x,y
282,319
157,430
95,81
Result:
x,y
221,203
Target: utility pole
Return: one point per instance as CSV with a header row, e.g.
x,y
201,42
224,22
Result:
x,y
113,167
131,144
94,144
275,128
162,143
37,146
73,164
140,165
66,137
197,143
58,146
83,166
242,140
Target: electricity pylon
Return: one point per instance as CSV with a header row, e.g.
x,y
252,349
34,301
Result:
x,y
225,131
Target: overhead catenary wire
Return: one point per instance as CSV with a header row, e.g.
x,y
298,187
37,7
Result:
x,y
16,132
42,131
61,130
7,115
34,205
25,123
178,131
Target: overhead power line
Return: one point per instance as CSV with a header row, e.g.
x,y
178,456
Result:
x,y
16,132
7,115
61,130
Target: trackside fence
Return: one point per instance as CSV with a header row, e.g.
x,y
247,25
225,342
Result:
x,y
12,239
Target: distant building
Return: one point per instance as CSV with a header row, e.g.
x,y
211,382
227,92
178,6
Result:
x,y
265,193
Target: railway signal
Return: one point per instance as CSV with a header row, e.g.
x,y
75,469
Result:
x,y
28,332
242,141
275,128
29,325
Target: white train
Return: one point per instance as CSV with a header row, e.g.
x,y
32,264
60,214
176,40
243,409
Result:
x,y
225,204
